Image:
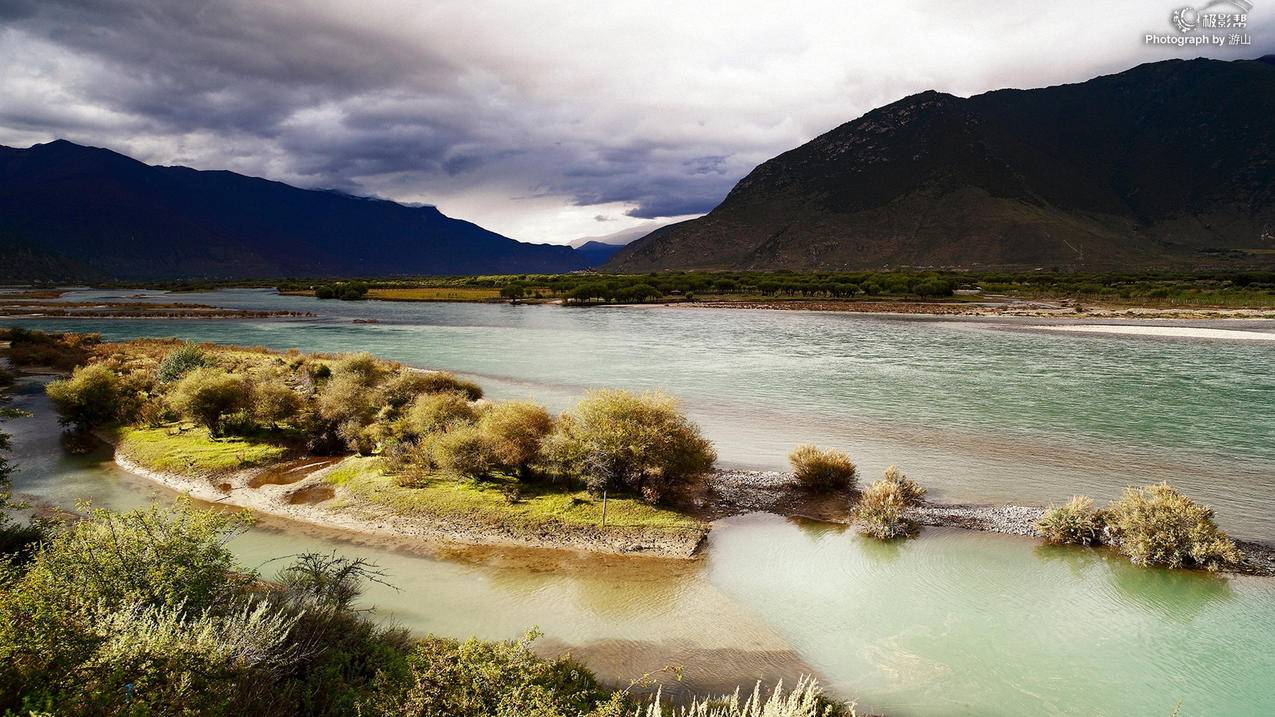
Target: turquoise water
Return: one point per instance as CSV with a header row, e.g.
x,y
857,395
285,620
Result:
x,y
977,411
954,623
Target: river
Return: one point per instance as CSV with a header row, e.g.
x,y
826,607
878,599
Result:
x,y
952,623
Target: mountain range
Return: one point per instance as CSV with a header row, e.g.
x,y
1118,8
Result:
x,y
1168,164
75,213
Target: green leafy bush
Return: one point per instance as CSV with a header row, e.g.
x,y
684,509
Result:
x,y
822,470
275,402
464,450
181,361
1157,525
482,679
206,395
435,412
1076,522
639,442
515,431
93,396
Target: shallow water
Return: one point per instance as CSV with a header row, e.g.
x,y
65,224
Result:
x,y
952,623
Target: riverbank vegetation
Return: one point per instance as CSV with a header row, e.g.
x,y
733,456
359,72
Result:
x,y
882,511
1218,289
1151,525
147,612
425,444
822,470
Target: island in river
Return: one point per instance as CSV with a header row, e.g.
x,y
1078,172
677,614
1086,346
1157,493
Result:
x,y
273,468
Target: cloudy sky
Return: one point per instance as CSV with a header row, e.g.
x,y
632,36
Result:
x,y
545,121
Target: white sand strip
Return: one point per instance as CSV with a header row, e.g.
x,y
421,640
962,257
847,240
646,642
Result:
x,y
1170,331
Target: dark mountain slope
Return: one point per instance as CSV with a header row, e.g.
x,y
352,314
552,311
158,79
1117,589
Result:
x,y
1166,164
74,206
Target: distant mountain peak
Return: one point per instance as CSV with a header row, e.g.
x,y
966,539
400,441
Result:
x,y
65,207
1165,164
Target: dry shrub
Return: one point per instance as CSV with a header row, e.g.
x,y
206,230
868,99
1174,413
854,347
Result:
x,y
464,451
882,510
1157,525
1076,522
822,470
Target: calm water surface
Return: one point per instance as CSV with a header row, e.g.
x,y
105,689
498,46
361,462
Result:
x,y
953,623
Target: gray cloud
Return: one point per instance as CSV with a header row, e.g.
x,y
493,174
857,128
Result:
x,y
529,117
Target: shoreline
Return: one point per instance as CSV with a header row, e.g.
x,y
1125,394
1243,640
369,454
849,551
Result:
x,y
1063,309
302,500
728,492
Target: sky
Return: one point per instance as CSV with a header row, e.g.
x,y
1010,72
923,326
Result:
x,y
544,121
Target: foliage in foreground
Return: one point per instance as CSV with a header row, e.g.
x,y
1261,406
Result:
x,y
805,700
148,613
882,509
822,470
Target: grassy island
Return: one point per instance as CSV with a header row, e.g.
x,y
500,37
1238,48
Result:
x,y
364,444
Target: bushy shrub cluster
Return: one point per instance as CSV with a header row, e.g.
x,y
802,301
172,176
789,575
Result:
x,y
181,361
1156,525
882,509
1151,525
822,470
619,440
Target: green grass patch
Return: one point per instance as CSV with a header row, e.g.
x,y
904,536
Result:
x,y
193,451
493,500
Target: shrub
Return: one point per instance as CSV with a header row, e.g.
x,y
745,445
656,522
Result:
x,y
275,402
205,395
482,679
93,396
911,491
435,412
1156,525
882,509
444,382
1076,522
357,437
346,397
464,450
515,431
181,361
805,700
369,369
621,440
822,470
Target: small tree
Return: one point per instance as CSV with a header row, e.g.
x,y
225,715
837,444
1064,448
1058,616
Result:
x,y
642,442
515,431
205,395
1157,525
93,396
822,470
1076,522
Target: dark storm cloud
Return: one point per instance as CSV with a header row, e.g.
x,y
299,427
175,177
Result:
x,y
520,113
